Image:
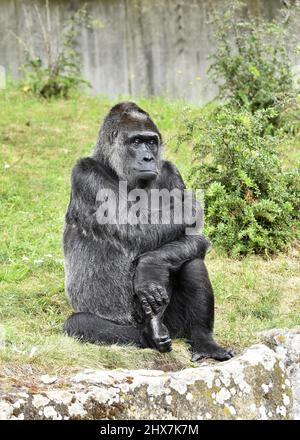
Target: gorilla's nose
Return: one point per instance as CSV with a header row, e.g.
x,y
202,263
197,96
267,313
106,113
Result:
x,y
148,158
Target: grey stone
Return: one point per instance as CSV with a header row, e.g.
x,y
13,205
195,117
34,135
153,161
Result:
x,y
258,384
286,343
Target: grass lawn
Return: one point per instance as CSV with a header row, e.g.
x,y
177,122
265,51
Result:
x,y
39,143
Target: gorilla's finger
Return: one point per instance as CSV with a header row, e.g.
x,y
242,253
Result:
x,y
145,305
147,309
163,294
153,304
148,302
158,297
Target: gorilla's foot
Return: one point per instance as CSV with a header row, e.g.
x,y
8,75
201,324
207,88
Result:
x,y
211,350
157,335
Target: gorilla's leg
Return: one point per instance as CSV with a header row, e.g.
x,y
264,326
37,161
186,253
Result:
x,y
153,283
190,313
91,328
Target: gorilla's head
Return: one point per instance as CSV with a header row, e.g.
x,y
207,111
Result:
x,y
130,143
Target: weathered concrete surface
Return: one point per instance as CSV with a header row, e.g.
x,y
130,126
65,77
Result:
x,y
255,385
145,47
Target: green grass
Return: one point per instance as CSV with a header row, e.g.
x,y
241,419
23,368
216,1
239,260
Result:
x,y
40,142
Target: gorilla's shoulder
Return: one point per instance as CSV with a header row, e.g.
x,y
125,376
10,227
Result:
x,y
87,165
88,175
171,176
169,167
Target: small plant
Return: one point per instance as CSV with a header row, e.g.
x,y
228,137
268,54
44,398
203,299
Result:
x,y
57,71
252,63
251,204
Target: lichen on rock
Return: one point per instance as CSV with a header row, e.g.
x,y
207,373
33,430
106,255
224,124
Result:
x,y
261,383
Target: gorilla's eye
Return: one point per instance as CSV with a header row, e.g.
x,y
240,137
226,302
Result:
x,y
136,141
152,142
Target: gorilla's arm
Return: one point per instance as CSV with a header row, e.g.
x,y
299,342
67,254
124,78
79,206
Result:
x,y
154,267
173,254
86,180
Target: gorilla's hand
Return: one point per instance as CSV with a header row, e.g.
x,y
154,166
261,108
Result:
x,y
153,297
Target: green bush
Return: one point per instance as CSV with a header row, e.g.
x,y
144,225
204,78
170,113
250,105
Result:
x,y
52,67
251,204
252,63
43,82
289,117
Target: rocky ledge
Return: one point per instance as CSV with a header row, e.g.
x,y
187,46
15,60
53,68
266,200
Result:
x,y
261,383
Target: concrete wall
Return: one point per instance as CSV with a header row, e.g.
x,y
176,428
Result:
x,y
145,47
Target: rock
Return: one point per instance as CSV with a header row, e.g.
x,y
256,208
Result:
x,y
255,385
48,379
286,343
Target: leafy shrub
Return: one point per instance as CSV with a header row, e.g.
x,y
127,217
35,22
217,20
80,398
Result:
x,y
42,82
251,204
252,63
289,117
57,71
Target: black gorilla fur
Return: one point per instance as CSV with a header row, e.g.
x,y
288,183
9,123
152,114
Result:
x,y
134,283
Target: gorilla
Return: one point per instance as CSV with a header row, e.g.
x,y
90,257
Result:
x,y
134,282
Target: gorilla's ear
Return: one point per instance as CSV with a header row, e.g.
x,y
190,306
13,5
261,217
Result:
x,y
112,136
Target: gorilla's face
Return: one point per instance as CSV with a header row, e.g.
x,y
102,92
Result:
x,y
131,144
141,155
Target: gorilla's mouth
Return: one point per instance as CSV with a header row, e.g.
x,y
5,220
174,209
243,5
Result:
x,y
145,173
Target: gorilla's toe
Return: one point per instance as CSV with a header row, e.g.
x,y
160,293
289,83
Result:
x,y
215,352
164,346
161,343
